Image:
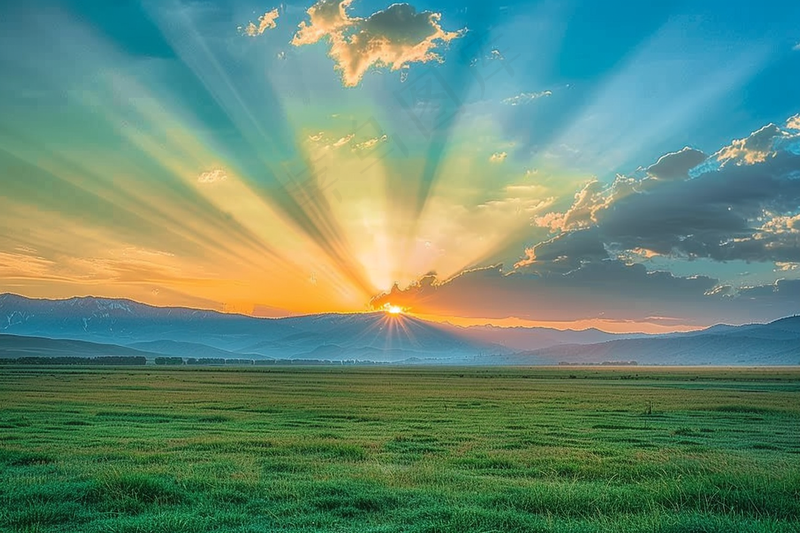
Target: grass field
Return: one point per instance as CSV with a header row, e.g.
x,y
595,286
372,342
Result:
x,y
399,449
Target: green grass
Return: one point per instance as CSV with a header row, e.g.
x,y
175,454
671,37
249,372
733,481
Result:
x,y
399,449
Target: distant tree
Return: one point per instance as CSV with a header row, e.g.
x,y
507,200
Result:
x,y
238,362
108,360
172,361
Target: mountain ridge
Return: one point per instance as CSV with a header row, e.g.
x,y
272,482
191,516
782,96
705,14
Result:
x,y
381,337
130,323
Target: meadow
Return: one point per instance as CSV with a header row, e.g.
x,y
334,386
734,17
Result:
x,y
385,449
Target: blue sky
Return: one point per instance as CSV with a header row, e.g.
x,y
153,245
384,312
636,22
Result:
x,y
485,158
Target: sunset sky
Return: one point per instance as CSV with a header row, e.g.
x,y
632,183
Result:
x,y
633,166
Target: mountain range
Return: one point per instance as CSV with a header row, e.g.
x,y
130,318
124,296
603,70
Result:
x,y
90,326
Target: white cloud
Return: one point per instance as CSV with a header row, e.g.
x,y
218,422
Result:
x,y
781,224
526,98
753,149
498,157
761,145
212,176
591,199
326,141
369,143
394,37
265,22
344,140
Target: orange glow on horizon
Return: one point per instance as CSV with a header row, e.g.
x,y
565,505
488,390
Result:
x,y
609,326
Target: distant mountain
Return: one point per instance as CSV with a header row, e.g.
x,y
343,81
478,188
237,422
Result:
x,y
370,337
191,349
126,322
782,329
776,343
197,333
13,346
526,339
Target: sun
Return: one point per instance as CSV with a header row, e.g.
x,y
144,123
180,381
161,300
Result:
x,y
393,309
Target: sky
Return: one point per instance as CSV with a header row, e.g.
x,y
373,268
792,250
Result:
x,y
632,166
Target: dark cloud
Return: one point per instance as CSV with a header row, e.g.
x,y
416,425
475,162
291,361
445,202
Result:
x,y
565,252
605,290
727,211
676,166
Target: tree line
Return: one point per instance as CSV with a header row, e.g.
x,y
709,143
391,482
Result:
x,y
112,360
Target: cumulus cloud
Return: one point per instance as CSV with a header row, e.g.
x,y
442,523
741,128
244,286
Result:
x,y
793,123
720,210
526,98
498,157
212,176
344,140
753,149
582,214
676,165
265,22
394,37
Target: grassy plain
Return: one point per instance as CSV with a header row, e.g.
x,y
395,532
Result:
x,y
399,449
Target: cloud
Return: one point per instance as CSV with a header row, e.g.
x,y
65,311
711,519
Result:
x,y
498,157
129,264
369,143
564,253
212,176
796,47
526,98
793,123
753,149
327,18
394,37
588,201
736,205
265,22
344,140
676,165
603,289
600,290
326,141
25,265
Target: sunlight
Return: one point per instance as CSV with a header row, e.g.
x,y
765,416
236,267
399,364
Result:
x,y
393,309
